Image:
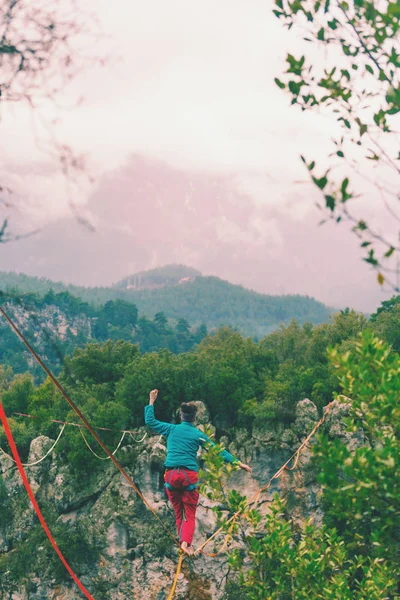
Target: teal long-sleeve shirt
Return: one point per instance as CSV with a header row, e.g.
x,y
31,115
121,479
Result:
x,y
183,442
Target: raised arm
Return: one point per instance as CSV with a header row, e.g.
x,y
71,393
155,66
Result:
x,y
227,456
158,426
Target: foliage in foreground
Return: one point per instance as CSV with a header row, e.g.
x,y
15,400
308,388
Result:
x,y
355,553
357,81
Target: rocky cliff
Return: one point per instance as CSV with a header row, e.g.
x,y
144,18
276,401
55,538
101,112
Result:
x,y
114,543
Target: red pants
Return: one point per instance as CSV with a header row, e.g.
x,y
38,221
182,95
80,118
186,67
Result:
x,y
184,502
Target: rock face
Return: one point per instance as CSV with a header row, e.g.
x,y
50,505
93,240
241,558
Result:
x,y
113,542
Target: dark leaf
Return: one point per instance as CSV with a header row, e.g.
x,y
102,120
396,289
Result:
x,y
321,183
389,253
362,226
280,83
330,202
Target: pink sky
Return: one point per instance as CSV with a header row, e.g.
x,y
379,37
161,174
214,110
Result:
x,y
190,87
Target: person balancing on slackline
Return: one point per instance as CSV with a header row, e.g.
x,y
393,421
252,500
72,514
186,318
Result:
x,y
181,477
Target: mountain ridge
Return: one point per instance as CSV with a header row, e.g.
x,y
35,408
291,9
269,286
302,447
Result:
x,y
172,274
203,299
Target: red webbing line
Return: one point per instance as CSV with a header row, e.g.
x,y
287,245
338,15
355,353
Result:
x,y
85,421
34,503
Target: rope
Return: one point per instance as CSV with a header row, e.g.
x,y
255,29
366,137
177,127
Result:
x,y
75,424
34,503
178,570
43,457
85,440
137,441
93,452
224,545
85,421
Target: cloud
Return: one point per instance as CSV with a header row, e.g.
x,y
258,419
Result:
x,y
190,85
221,232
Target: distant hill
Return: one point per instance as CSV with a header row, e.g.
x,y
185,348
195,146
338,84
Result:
x,y
156,278
197,299
215,302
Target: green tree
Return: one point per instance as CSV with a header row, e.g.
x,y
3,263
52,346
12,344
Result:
x,y
161,321
354,553
200,333
5,378
99,363
120,313
153,370
19,393
362,486
386,306
289,342
386,322
184,336
226,360
291,562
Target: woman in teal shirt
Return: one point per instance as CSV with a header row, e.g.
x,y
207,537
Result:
x,y
181,476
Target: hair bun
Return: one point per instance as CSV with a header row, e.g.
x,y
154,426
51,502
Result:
x,y
189,408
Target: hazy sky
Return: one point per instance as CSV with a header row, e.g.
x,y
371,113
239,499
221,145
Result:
x,y
195,157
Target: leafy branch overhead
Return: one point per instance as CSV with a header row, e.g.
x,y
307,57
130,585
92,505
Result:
x,y
43,46
359,84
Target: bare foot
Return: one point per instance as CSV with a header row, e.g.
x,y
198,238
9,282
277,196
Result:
x,y
187,549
